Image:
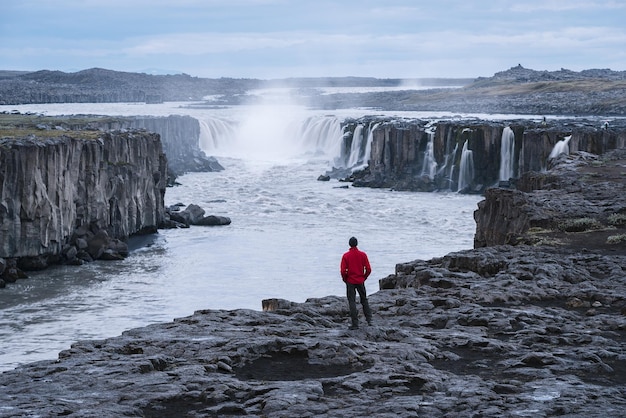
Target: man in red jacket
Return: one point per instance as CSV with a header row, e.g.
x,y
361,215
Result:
x,y
355,268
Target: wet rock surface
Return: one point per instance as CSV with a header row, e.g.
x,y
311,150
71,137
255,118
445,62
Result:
x,y
501,331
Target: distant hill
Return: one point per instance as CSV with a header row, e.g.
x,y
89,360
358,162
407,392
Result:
x,y
4,74
516,90
97,85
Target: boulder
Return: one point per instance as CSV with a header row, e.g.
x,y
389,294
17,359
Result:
x,y
214,220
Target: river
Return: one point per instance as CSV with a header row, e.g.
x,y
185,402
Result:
x,y
287,235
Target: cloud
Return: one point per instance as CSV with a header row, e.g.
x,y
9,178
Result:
x,y
562,6
397,38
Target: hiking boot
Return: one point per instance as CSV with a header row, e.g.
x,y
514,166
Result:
x,y
353,327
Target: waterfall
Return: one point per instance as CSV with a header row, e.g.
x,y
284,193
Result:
x,y
561,147
274,138
319,135
507,151
447,168
430,164
358,156
355,148
215,132
466,170
368,145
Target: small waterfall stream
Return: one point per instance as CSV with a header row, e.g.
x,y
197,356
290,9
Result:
x,y
507,152
466,169
430,163
561,147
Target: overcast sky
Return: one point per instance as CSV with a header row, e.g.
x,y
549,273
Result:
x,y
301,38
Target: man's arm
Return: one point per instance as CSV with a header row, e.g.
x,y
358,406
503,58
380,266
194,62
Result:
x,y
366,265
343,268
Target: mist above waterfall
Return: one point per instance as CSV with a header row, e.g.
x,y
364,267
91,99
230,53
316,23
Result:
x,y
274,125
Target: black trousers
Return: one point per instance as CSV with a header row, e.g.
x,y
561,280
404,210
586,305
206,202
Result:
x,y
351,290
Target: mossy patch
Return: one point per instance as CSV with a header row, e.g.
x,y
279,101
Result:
x,y
617,219
34,126
579,225
616,239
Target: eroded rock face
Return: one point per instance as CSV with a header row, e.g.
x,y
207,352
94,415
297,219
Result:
x,y
499,331
578,187
51,187
179,136
420,155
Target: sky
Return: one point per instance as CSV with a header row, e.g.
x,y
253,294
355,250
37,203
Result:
x,y
270,39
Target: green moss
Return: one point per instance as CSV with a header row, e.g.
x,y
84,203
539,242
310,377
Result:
x,y
579,225
617,219
616,239
537,230
16,126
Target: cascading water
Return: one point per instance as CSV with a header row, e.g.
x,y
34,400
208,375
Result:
x,y
368,146
466,169
272,136
355,149
360,148
215,132
430,164
561,147
345,144
507,151
319,135
447,168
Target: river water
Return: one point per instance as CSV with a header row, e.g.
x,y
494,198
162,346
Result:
x,y
287,235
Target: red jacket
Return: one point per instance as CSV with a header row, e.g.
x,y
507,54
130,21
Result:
x,y
355,267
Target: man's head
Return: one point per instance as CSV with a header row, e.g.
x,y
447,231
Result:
x,y
353,242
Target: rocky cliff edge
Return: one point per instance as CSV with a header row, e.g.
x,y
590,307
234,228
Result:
x,y
73,195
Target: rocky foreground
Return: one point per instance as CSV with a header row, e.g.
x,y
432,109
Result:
x,y
490,332
534,329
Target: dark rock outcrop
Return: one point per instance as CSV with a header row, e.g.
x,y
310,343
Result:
x,y
492,332
179,135
76,195
193,215
580,202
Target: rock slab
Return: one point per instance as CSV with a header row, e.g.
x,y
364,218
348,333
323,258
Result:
x,y
499,331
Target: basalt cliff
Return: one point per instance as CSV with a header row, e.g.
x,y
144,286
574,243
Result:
x,y
74,196
178,134
464,154
75,188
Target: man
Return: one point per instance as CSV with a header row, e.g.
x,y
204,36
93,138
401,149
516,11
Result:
x,y
355,269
